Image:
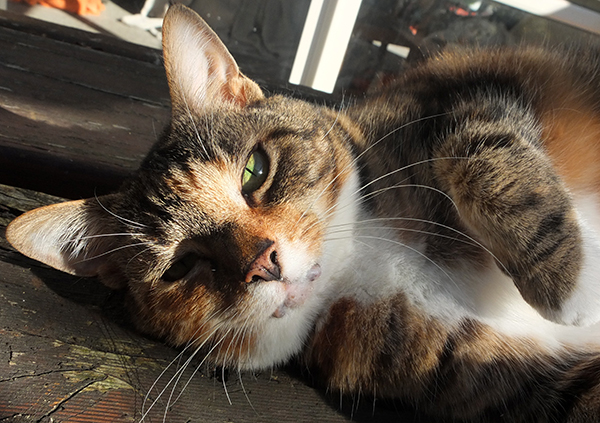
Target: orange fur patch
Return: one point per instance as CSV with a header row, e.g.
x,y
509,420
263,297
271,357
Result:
x,y
572,136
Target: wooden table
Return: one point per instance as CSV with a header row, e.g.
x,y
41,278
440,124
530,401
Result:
x,y
77,113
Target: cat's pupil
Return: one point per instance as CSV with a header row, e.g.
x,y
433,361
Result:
x,y
255,172
181,267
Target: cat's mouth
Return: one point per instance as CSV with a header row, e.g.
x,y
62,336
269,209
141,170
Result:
x,y
297,292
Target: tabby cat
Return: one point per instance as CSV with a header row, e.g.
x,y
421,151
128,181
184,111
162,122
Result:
x,y
435,243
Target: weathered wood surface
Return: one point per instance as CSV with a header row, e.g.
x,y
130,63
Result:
x,y
74,117
77,113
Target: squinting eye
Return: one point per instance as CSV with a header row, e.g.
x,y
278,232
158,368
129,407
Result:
x,y
255,173
181,267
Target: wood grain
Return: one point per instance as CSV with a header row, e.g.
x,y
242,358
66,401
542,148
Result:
x,y
74,119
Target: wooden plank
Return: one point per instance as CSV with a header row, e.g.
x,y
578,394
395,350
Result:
x,y
95,41
68,353
117,132
75,128
73,119
94,69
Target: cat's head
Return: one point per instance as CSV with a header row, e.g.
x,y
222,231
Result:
x,y
220,237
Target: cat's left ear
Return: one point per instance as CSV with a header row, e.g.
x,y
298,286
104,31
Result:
x,y
201,72
72,237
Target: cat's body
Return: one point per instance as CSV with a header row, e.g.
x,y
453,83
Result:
x,y
407,246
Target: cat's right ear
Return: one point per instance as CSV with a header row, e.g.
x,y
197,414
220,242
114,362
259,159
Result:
x,y
201,72
68,236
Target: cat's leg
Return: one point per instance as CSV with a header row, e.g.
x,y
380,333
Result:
x,y
508,193
462,370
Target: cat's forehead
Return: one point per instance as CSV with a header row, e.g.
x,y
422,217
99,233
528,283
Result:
x,y
230,134
196,170
212,186
258,119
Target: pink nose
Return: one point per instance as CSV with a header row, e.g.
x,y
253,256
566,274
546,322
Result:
x,y
265,266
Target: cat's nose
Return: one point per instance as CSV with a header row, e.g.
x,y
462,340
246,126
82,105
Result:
x,y
265,266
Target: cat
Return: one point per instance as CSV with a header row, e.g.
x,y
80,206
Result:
x,y
436,242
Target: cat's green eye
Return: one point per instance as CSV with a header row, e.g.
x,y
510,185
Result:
x,y
255,172
180,268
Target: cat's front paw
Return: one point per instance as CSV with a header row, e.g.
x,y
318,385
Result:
x,y
582,306
511,196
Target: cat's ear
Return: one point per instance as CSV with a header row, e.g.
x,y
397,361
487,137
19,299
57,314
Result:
x,y
201,72
68,237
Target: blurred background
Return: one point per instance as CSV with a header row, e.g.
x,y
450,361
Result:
x,y
342,46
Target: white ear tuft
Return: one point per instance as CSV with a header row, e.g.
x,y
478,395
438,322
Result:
x,y
63,236
200,70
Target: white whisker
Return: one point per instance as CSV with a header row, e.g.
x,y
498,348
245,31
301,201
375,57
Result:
x,y
88,237
198,367
430,222
189,344
401,185
174,381
357,158
193,125
363,198
246,393
225,385
112,251
412,249
176,377
411,230
122,219
136,255
337,116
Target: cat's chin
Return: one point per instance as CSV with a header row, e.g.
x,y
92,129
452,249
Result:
x,y
296,293
290,309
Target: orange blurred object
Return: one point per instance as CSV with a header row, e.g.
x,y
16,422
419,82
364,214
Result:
x,y
81,7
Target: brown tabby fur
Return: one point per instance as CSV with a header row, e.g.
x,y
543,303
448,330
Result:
x,y
470,149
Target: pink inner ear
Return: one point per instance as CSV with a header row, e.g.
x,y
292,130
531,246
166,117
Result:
x,y
242,91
